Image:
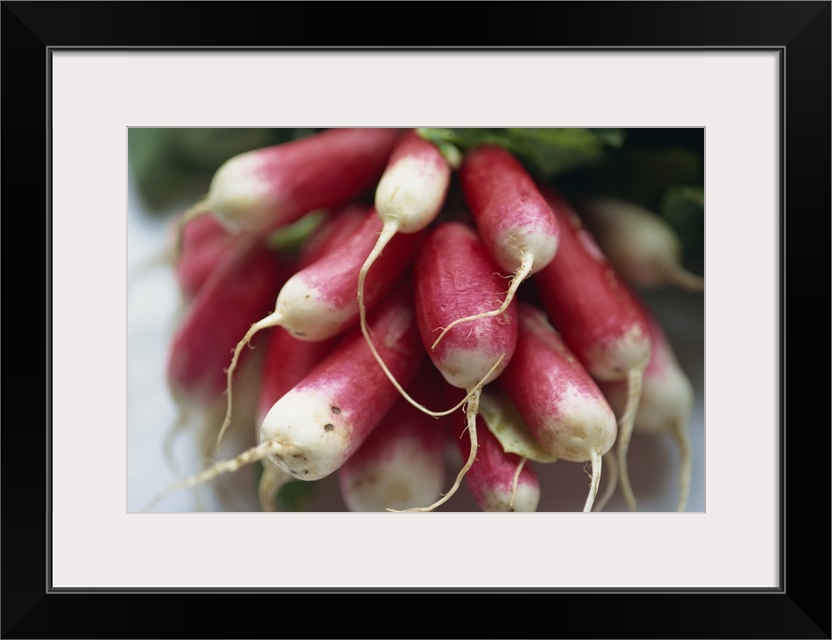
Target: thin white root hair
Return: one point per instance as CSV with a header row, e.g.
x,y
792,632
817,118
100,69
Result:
x,y
680,432
200,208
612,481
515,482
471,412
687,280
596,480
269,321
519,276
625,433
254,454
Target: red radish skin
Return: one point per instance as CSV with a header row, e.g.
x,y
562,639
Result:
x,y
455,277
498,481
644,249
562,405
666,401
597,315
402,462
205,243
224,307
318,302
408,198
287,361
333,231
315,427
516,223
273,186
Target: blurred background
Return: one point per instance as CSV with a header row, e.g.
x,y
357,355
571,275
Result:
x,y
171,168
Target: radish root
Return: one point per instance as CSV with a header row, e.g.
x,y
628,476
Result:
x,y
254,454
680,432
519,276
596,479
471,411
686,280
612,481
269,321
515,482
625,432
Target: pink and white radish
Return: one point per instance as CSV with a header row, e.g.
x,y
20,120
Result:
x,y
402,462
232,297
517,225
333,231
559,401
315,427
644,249
266,188
318,302
498,480
455,277
666,401
598,317
286,362
205,242
408,198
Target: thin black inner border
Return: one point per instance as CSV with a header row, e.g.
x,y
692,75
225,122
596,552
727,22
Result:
x,y
780,50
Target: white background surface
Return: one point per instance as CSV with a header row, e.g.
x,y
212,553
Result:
x,y
96,96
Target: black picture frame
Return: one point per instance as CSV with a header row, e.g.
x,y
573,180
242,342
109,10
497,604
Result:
x,y
799,31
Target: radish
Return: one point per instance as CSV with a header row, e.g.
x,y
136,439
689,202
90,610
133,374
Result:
x,y
315,427
498,480
231,298
666,400
559,401
402,462
598,317
334,230
517,225
408,198
644,249
318,302
286,362
455,277
266,188
205,243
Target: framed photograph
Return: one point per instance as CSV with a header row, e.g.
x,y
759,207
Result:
x,y
751,79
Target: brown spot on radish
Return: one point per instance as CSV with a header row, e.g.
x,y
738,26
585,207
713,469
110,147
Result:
x,y
329,426
335,410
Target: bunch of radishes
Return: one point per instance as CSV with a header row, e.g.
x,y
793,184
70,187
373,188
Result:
x,y
503,322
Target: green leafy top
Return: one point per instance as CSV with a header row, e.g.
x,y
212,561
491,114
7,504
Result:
x,y
546,152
